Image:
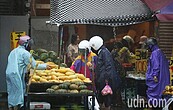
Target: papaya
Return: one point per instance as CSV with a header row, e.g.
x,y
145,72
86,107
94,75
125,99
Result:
x,y
43,56
87,80
62,70
33,81
69,73
43,80
81,76
36,77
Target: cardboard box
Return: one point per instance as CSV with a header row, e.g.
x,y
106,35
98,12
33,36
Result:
x,y
40,105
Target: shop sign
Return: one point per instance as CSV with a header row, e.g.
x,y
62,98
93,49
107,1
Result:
x,y
15,37
141,60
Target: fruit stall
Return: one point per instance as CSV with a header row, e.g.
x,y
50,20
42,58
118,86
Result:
x,y
60,86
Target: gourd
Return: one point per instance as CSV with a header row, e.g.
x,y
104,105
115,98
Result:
x,y
73,86
82,87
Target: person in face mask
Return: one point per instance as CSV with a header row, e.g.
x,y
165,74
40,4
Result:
x,y
157,75
17,66
85,58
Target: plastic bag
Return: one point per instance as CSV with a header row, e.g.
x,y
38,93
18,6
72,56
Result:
x,y
106,90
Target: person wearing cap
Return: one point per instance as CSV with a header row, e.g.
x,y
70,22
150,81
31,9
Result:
x,y
18,61
128,42
143,39
85,58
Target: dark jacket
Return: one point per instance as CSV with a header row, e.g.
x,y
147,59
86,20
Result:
x,y
105,70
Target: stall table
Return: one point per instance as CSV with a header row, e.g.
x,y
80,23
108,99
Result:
x,y
32,95
137,84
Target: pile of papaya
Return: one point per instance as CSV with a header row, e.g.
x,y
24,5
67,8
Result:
x,y
168,90
57,75
47,56
67,87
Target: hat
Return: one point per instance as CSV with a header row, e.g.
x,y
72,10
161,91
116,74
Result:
x,y
23,39
143,39
128,39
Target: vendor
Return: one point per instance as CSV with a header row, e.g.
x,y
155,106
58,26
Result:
x,y
85,58
18,61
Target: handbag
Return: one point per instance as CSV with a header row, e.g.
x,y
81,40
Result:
x,y
107,90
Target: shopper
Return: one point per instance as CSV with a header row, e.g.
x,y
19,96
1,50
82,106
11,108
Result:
x,y
72,50
105,71
117,99
143,39
18,61
85,58
126,55
128,42
157,75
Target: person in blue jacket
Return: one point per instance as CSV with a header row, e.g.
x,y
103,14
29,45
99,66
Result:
x,y
157,75
105,71
18,61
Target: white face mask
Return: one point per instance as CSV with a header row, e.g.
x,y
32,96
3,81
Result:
x,y
30,42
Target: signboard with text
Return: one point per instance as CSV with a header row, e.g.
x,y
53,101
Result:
x,y
141,60
15,37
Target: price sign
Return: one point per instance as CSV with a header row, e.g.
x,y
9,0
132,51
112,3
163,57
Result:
x,y
141,54
141,60
141,65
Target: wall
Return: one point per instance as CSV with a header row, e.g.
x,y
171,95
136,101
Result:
x,y
7,25
44,35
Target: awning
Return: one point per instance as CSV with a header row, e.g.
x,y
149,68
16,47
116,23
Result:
x,y
163,9
99,12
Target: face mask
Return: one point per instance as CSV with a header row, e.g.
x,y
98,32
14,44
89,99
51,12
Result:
x,y
29,43
83,52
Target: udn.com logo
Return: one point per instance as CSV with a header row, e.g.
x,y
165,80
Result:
x,y
139,102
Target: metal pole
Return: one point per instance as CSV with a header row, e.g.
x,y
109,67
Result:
x,y
61,42
85,61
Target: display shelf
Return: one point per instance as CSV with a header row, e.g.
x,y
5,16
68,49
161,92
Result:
x,y
59,98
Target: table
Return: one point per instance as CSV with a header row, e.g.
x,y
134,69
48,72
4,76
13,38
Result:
x,y
32,95
137,83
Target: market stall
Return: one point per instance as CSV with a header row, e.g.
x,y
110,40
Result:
x,y
88,12
61,87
